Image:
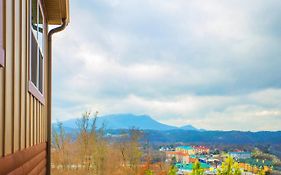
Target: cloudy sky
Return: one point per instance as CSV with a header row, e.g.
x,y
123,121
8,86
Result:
x,y
210,63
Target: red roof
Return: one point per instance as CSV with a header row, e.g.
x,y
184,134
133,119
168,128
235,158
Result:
x,y
177,153
201,147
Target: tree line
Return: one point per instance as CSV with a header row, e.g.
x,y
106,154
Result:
x,y
90,152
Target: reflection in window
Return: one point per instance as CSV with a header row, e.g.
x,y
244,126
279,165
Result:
x,y
40,30
34,60
34,17
40,85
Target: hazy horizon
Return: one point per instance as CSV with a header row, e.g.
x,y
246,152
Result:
x,y
211,64
153,118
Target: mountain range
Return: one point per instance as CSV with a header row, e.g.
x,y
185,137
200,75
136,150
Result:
x,y
155,131
128,121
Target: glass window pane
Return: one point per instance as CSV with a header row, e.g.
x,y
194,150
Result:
x,y
33,65
40,31
34,17
37,45
40,72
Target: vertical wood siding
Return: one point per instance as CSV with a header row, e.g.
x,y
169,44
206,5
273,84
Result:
x,y
1,81
8,83
23,121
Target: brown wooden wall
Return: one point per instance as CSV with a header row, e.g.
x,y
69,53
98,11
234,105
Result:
x,y
23,119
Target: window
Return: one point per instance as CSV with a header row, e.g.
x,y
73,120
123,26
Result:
x,y
36,83
2,53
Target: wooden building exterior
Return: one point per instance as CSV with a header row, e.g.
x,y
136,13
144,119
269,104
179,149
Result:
x,y
25,82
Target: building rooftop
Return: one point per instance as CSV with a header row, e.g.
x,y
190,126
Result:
x,y
256,162
185,147
198,156
57,11
201,147
177,153
242,152
190,166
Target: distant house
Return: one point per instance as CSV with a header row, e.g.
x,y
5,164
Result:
x,y
201,150
201,158
187,168
178,156
26,28
254,165
186,149
166,149
240,155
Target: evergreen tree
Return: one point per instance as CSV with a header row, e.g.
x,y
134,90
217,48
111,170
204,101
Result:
x,y
174,160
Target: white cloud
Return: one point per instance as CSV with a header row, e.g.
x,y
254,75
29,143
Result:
x,y
211,64
208,112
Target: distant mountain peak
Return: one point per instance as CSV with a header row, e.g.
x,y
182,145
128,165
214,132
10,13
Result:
x,y
189,127
125,121
128,121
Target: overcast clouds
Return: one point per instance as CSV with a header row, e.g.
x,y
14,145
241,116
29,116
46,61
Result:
x,y
213,64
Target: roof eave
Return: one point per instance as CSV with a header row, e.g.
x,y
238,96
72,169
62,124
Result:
x,y
57,11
